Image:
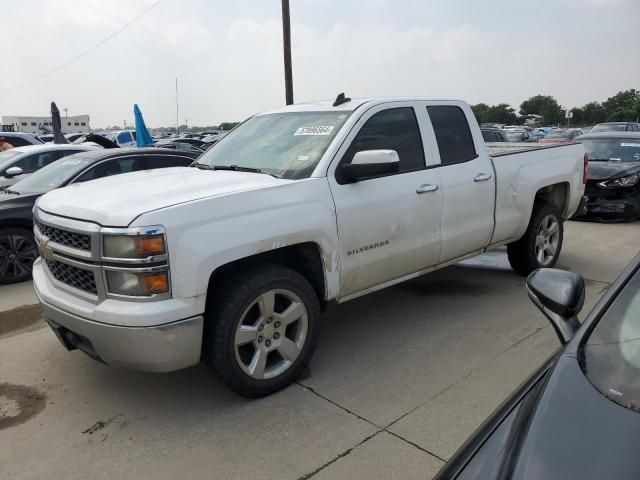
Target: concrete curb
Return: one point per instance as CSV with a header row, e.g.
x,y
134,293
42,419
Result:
x,y
20,318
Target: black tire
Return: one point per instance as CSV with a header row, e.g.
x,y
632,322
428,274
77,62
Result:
x,y
522,254
17,253
225,309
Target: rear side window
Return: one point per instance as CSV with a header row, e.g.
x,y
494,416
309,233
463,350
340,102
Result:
x,y
115,166
452,134
165,161
393,129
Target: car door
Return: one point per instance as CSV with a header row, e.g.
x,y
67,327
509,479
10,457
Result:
x,y
388,226
468,183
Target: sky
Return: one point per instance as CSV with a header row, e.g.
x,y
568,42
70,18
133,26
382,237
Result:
x,y
227,55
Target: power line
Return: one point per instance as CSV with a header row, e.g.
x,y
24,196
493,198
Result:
x,y
86,52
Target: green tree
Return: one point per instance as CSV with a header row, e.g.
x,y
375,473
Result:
x,y
503,113
481,111
593,112
545,106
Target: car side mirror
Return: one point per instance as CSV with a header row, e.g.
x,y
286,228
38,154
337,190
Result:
x,y
370,163
560,296
12,172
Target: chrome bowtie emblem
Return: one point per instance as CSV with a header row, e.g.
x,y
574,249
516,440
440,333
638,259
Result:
x,y
45,250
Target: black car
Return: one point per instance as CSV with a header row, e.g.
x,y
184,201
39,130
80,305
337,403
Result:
x,y
613,187
490,134
578,416
17,245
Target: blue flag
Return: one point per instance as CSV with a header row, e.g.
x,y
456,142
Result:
x,y
143,137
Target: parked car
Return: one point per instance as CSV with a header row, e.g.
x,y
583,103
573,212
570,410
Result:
x,y
124,138
19,139
613,188
293,209
578,416
202,145
17,243
493,135
585,130
557,137
18,163
45,138
72,137
616,127
519,135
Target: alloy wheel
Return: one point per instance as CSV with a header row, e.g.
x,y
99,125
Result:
x,y
547,240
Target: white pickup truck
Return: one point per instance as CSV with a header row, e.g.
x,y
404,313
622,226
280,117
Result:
x,y
230,261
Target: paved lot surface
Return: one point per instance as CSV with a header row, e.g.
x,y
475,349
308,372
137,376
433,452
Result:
x,y
399,380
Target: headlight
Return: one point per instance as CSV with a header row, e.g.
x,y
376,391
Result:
x,y
628,181
135,284
133,246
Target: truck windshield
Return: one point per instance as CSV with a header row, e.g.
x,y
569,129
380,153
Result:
x,y
285,145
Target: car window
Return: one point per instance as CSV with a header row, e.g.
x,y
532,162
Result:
x,y
124,137
452,134
164,161
393,129
17,141
611,354
36,161
114,166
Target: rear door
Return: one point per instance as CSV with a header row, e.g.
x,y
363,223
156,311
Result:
x,y
468,183
388,226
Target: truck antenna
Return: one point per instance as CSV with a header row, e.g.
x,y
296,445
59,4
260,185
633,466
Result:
x,y
340,99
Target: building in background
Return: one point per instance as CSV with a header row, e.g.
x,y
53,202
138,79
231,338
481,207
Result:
x,y
39,125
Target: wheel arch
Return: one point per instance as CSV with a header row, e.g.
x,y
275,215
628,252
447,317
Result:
x,y
557,194
305,258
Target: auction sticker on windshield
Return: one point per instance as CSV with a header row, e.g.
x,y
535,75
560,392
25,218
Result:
x,y
321,130
630,145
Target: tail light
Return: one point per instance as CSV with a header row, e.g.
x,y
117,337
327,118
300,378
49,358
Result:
x,y
585,169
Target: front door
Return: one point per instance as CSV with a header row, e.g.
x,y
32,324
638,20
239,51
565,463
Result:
x,y
388,226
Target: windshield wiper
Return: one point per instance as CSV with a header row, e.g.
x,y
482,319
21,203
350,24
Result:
x,y
237,168
6,190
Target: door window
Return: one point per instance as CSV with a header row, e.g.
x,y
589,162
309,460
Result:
x,y
164,161
35,162
453,135
115,166
393,129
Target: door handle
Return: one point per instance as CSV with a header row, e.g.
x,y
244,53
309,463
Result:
x,y
482,177
426,188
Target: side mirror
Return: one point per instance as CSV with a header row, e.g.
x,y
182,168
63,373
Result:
x,y
560,296
370,163
12,172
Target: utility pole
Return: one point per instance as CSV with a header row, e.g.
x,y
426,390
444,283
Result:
x,y
66,112
286,38
177,121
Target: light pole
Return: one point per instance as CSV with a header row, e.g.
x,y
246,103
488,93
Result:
x,y
286,39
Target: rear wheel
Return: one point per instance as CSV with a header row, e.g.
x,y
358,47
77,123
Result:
x,y
261,330
541,244
17,253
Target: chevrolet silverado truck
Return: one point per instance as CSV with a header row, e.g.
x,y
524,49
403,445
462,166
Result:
x,y
230,261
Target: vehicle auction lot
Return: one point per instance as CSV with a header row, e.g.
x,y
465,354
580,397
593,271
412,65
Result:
x,y
399,380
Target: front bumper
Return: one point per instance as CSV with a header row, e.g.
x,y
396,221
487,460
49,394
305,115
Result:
x,y
608,208
156,348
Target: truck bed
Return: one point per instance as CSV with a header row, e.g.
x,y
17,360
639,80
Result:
x,y
497,149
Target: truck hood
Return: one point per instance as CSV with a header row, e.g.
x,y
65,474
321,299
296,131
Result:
x,y
116,201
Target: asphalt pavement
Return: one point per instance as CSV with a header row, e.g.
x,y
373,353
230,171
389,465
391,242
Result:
x,y
400,378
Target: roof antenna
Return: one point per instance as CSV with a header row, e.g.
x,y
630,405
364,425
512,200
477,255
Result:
x,y
340,99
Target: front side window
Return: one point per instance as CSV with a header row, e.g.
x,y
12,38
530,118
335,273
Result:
x,y
453,134
611,354
115,166
52,176
286,145
393,129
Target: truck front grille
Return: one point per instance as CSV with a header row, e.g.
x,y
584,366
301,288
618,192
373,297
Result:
x,y
66,238
73,276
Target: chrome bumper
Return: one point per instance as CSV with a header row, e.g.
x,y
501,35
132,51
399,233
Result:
x,y
160,348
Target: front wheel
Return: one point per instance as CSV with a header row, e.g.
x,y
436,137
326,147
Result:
x,y
17,253
540,246
261,329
